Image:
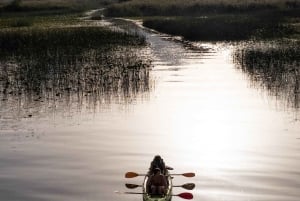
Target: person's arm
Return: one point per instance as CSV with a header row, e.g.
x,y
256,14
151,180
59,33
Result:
x,y
164,181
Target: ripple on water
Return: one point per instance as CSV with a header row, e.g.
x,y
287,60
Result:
x,y
201,116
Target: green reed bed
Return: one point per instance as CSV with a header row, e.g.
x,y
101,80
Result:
x,y
107,69
56,81
263,56
221,27
45,10
50,55
214,20
46,6
50,63
195,7
71,37
275,66
38,19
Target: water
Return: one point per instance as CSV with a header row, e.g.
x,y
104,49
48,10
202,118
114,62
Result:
x,y
199,111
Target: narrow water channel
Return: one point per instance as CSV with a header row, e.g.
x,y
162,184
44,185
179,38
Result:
x,y
199,111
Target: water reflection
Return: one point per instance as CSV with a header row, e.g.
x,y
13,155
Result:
x,y
51,80
215,126
273,66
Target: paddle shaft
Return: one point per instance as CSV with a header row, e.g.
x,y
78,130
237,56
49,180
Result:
x,y
188,186
134,174
187,196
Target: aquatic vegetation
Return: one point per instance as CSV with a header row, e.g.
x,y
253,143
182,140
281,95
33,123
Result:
x,y
69,37
20,23
223,27
49,55
106,69
48,65
274,66
39,19
195,7
49,6
39,9
214,20
58,81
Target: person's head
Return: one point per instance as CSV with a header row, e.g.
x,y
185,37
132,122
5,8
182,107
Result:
x,y
157,158
157,170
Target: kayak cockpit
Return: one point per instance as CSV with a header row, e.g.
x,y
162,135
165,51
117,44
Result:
x,y
149,196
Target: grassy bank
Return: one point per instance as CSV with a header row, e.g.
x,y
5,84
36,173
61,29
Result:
x,y
195,7
54,62
215,20
72,37
48,52
18,7
27,13
223,27
57,6
45,20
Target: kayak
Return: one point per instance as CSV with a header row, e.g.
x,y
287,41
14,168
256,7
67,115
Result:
x,y
158,166
166,197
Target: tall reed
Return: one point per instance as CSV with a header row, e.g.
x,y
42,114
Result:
x,y
275,66
195,7
221,27
40,38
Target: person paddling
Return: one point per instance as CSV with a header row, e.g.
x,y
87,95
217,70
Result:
x,y
158,183
157,162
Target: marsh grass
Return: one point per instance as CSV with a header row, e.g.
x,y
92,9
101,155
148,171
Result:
x,y
51,64
196,7
20,22
273,66
71,37
221,27
39,18
105,69
45,9
45,5
49,56
50,6
214,20
65,81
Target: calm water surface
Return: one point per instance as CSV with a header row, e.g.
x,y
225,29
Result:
x,y
199,112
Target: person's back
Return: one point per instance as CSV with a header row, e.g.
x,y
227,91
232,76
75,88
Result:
x,y
158,180
158,183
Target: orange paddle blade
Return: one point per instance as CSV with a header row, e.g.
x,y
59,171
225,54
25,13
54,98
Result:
x,y
131,174
189,174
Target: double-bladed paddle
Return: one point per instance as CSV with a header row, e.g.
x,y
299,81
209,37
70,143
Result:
x,y
187,186
134,174
187,196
